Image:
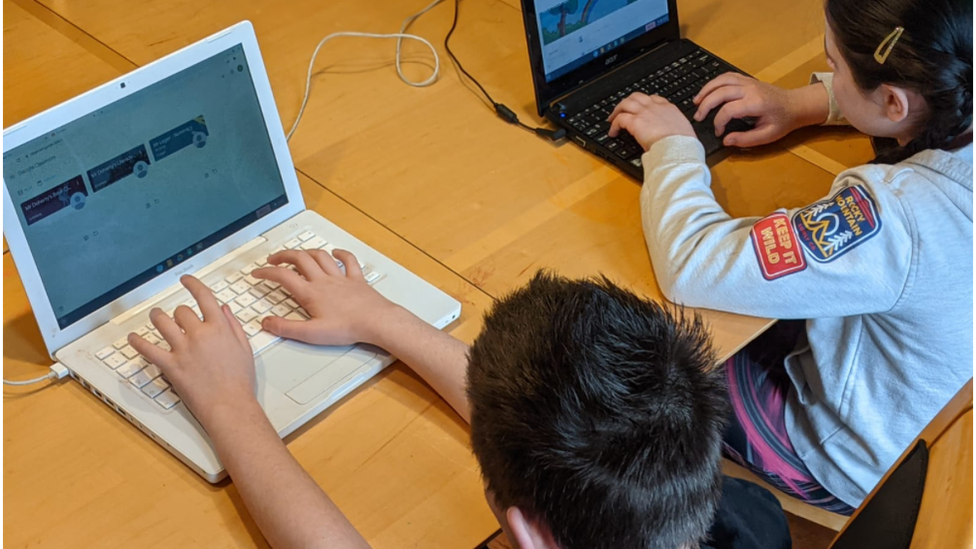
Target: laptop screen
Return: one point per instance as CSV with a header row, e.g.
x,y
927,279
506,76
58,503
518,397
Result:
x,y
117,197
573,32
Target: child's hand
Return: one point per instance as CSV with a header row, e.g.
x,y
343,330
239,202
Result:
x,y
211,364
776,110
344,309
649,119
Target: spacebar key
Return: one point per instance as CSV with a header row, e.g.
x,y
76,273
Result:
x,y
261,340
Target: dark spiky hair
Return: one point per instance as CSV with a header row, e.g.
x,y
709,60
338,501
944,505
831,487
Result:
x,y
599,413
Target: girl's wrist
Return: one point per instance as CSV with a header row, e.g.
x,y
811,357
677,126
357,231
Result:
x,y
809,105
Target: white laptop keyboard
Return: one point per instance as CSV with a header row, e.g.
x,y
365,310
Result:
x,y
250,299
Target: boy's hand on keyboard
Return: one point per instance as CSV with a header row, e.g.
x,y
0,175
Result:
x,y
210,363
777,111
649,118
344,309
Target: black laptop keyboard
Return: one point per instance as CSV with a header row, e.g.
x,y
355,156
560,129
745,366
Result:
x,y
677,82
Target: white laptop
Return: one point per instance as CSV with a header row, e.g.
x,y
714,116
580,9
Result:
x,y
178,167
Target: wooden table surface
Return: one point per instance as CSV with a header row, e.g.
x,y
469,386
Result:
x,y
429,177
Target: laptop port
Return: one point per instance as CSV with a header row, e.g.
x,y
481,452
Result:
x,y
580,140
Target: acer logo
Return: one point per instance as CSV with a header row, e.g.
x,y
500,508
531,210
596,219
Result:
x,y
610,59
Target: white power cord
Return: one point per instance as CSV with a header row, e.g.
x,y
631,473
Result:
x,y
57,372
403,29
400,36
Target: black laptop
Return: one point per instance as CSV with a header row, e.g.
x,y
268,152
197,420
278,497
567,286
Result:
x,y
588,55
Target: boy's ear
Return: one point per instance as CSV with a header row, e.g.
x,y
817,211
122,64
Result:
x,y
528,533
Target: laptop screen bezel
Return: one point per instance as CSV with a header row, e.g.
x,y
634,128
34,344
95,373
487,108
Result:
x,y
242,34
547,92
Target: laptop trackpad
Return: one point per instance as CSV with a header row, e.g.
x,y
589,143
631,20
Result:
x,y
303,372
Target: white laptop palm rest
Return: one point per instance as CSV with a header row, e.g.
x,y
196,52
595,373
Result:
x,y
179,167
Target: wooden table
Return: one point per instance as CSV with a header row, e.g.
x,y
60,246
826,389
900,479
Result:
x,y
429,177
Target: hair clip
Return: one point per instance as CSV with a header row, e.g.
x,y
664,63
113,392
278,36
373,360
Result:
x,y
890,40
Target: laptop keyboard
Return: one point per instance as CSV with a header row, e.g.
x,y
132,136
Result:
x,y
249,298
677,82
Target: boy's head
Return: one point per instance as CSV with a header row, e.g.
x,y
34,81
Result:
x,y
596,417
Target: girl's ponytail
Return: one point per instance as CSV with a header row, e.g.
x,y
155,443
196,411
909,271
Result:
x,y
968,81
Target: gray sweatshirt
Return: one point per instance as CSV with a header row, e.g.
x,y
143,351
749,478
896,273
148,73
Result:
x,y
882,270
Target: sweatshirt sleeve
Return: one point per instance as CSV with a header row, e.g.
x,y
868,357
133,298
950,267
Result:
x,y
835,118
849,253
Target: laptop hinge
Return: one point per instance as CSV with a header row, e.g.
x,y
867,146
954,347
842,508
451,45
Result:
x,y
168,292
602,77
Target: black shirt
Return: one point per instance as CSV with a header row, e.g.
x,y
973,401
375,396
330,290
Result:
x,y
748,517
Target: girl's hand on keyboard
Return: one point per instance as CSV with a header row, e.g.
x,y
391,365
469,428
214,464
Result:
x,y
649,118
777,111
210,365
344,309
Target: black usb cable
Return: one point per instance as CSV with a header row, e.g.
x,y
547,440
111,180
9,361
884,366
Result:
x,y
503,112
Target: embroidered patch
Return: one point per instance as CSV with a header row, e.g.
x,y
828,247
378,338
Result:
x,y
777,247
830,228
